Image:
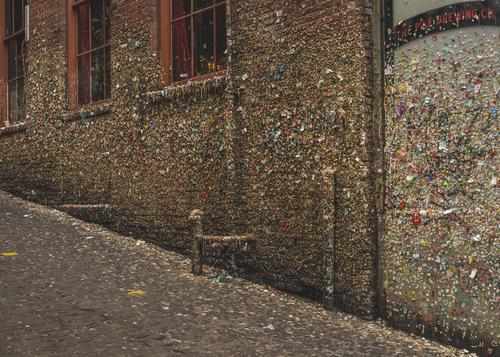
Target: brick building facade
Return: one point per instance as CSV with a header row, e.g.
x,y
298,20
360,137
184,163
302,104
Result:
x,y
274,128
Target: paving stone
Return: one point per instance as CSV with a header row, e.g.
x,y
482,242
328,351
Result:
x,y
66,293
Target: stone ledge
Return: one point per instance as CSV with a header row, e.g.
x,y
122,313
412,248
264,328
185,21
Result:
x,y
88,207
87,113
229,239
196,89
95,213
12,129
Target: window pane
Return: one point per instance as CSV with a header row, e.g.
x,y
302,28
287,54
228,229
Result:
x,y
97,9
8,17
12,102
83,28
84,79
221,37
20,99
180,8
181,44
108,72
98,75
198,4
204,43
19,56
107,19
11,54
18,15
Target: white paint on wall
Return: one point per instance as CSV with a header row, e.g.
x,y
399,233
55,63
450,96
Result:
x,y
404,9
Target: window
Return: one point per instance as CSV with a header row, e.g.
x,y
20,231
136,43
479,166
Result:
x,y
14,48
89,48
197,31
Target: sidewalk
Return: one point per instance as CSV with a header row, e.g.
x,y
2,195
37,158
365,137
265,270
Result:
x,y
67,293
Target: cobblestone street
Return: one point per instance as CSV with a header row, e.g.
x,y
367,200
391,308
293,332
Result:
x,y
70,288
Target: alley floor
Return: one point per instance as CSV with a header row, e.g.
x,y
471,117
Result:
x,y
69,288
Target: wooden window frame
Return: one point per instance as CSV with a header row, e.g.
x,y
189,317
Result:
x,y
4,65
165,43
3,69
72,48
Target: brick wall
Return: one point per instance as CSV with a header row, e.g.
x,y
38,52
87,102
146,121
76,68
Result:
x,y
281,146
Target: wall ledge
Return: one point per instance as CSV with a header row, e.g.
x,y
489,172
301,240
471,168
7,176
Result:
x,y
13,129
87,113
195,89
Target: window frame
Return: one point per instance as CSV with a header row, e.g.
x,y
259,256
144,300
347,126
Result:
x,y
3,70
166,41
4,65
73,55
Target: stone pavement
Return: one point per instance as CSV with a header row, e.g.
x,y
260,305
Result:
x,y
67,293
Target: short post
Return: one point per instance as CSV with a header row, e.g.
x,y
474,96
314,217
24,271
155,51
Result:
x,y
197,231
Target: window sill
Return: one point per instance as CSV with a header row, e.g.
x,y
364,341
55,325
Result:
x,y
13,129
93,110
197,88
